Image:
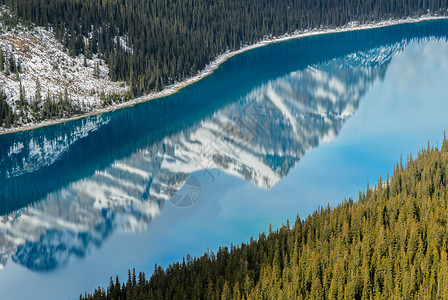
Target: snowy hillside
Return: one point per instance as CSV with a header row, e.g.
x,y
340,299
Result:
x,y
43,65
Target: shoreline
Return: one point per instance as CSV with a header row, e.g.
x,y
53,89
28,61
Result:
x,y
212,66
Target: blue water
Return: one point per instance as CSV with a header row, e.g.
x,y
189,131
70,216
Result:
x,y
274,133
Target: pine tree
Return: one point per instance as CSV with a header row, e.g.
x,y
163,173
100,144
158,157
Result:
x,y
96,70
38,96
2,60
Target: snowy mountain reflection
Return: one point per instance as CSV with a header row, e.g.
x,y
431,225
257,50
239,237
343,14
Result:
x,y
64,194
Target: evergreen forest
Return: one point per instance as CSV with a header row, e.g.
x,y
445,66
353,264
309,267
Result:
x,y
389,244
151,44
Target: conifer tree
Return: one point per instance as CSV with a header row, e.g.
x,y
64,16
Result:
x,y
2,60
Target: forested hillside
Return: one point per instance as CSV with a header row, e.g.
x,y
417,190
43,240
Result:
x,y
153,43
390,244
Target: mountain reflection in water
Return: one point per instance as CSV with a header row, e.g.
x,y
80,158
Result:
x,y
259,138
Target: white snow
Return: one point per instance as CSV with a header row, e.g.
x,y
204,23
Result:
x,y
43,58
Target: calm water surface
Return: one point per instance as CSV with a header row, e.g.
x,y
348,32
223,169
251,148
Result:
x,y
274,132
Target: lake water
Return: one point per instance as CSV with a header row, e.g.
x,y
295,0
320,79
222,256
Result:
x,y
274,132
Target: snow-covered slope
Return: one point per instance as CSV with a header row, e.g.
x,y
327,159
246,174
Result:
x,y
43,58
259,138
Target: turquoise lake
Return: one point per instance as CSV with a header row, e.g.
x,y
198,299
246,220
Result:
x,y
273,133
